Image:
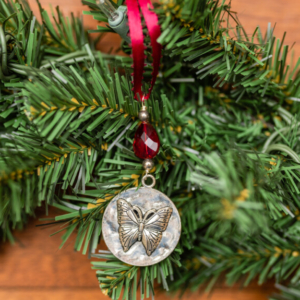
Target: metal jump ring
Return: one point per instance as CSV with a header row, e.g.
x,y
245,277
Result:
x,y
150,185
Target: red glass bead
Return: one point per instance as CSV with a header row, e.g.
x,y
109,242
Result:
x,y
146,142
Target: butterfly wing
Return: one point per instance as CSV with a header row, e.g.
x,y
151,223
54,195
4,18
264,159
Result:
x,y
155,224
128,229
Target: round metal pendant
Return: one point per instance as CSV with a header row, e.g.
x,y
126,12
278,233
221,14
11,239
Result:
x,y
141,227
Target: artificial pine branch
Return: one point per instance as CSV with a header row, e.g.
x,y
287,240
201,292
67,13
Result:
x,y
291,292
28,44
70,128
194,34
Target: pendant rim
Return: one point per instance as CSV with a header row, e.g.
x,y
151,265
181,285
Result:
x,y
107,238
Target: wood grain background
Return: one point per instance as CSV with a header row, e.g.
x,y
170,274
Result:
x,y
35,269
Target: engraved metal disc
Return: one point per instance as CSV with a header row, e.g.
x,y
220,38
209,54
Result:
x,y
141,227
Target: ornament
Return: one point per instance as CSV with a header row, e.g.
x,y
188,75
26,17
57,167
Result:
x,y
141,227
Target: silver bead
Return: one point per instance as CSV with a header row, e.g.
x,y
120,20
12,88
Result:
x,y
143,114
148,164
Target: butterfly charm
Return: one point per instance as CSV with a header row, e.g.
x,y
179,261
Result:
x,y
136,227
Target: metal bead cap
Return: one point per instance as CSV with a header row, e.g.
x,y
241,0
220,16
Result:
x,y
148,164
143,114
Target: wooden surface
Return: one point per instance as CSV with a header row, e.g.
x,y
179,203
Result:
x,y
283,14
35,269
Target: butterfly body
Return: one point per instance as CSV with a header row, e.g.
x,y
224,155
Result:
x,y
141,228
134,226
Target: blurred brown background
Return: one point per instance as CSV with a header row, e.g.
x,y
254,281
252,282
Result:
x,y
35,269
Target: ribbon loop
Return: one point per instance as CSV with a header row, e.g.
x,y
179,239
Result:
x,y
137,42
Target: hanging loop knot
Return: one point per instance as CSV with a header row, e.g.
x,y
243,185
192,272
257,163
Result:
x,y
137,42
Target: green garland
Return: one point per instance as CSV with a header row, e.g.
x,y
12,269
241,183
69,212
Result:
x,y
226,111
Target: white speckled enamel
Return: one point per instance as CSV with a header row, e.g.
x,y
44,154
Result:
x,y
146,199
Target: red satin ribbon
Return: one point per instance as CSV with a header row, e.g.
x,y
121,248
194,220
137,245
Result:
x,y
137,42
